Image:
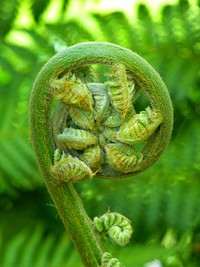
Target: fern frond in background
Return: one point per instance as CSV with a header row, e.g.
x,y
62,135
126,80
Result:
x,y
36,249
18,168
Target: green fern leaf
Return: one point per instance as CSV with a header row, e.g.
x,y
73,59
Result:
x,y
37,249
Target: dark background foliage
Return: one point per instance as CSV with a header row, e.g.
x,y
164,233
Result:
x,y
163,202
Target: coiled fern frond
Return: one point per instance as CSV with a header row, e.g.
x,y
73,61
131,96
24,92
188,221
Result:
x,y
69,81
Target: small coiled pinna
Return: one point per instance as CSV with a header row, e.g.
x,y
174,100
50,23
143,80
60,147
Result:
x,y
116,226
109,261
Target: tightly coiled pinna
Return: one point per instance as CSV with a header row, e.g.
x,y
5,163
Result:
x,y
117,227
109,261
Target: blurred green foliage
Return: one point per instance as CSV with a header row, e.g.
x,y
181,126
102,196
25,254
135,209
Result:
x,y
163,202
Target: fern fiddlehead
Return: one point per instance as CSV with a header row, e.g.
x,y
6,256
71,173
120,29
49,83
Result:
x,y
109,261
94,128
116,226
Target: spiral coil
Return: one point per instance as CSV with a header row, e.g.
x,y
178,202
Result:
x,y
117,227
109,261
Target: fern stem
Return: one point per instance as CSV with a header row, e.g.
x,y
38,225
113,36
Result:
x,y
77,223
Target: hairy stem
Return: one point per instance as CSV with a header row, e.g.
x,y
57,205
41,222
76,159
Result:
x,y
77,223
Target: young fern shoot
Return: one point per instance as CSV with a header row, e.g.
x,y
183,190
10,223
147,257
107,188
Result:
x,y
117,227
83,128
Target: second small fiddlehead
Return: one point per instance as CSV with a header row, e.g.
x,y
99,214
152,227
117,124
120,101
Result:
x,y
108,261
117,227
